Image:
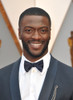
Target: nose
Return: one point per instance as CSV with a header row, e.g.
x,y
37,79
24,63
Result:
x,y
36,35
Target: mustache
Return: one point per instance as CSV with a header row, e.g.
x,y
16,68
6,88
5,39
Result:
x,y
35,41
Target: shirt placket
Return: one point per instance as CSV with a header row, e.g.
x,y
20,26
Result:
x,y
32,84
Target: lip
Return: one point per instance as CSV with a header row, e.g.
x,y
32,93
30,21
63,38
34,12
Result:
x,y
36,45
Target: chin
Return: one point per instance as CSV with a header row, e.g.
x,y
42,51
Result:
x,y
36,55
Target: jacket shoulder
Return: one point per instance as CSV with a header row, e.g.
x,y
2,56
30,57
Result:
x,y
7,69
64,70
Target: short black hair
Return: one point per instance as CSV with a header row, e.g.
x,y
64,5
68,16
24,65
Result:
x,y
34,11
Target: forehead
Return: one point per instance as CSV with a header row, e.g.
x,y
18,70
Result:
x,y
34,19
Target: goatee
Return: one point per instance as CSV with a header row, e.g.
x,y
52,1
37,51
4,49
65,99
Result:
x,y
25,46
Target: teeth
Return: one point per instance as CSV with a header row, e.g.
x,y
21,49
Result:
x,y
36,45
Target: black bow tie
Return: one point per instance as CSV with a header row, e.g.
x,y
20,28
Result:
x,y
38,65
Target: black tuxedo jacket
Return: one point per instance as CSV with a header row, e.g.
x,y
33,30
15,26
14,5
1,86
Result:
x,y
58,84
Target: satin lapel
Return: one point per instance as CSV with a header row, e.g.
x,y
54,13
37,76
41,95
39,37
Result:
x,y
49,80
14,84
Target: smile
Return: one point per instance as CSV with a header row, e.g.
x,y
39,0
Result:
x,y
36,45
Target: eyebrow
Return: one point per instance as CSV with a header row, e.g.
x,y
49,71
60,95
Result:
x,y
33,27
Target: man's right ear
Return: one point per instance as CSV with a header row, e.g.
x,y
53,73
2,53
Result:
x,y
20,37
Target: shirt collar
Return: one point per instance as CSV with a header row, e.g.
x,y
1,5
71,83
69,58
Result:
x,y
46,62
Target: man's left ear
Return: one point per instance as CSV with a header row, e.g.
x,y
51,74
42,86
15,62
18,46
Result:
x,y
50,35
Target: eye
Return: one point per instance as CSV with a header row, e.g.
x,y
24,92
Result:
x,y
43,31
29,30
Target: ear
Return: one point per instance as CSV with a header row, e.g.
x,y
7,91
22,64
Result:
x,y
19,32
50,34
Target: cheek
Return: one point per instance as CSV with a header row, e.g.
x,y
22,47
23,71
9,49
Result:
x,y
47,37
25,37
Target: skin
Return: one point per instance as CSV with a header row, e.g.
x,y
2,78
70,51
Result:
x,y
34,43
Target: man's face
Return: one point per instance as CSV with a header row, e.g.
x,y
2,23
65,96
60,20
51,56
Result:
x,y
34,32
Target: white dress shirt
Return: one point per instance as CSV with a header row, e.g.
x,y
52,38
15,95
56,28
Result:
x,y
30,83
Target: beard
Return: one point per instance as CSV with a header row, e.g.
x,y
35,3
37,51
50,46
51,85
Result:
x,y
25,46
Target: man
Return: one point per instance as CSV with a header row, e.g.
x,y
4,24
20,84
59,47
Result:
x,y
36,75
